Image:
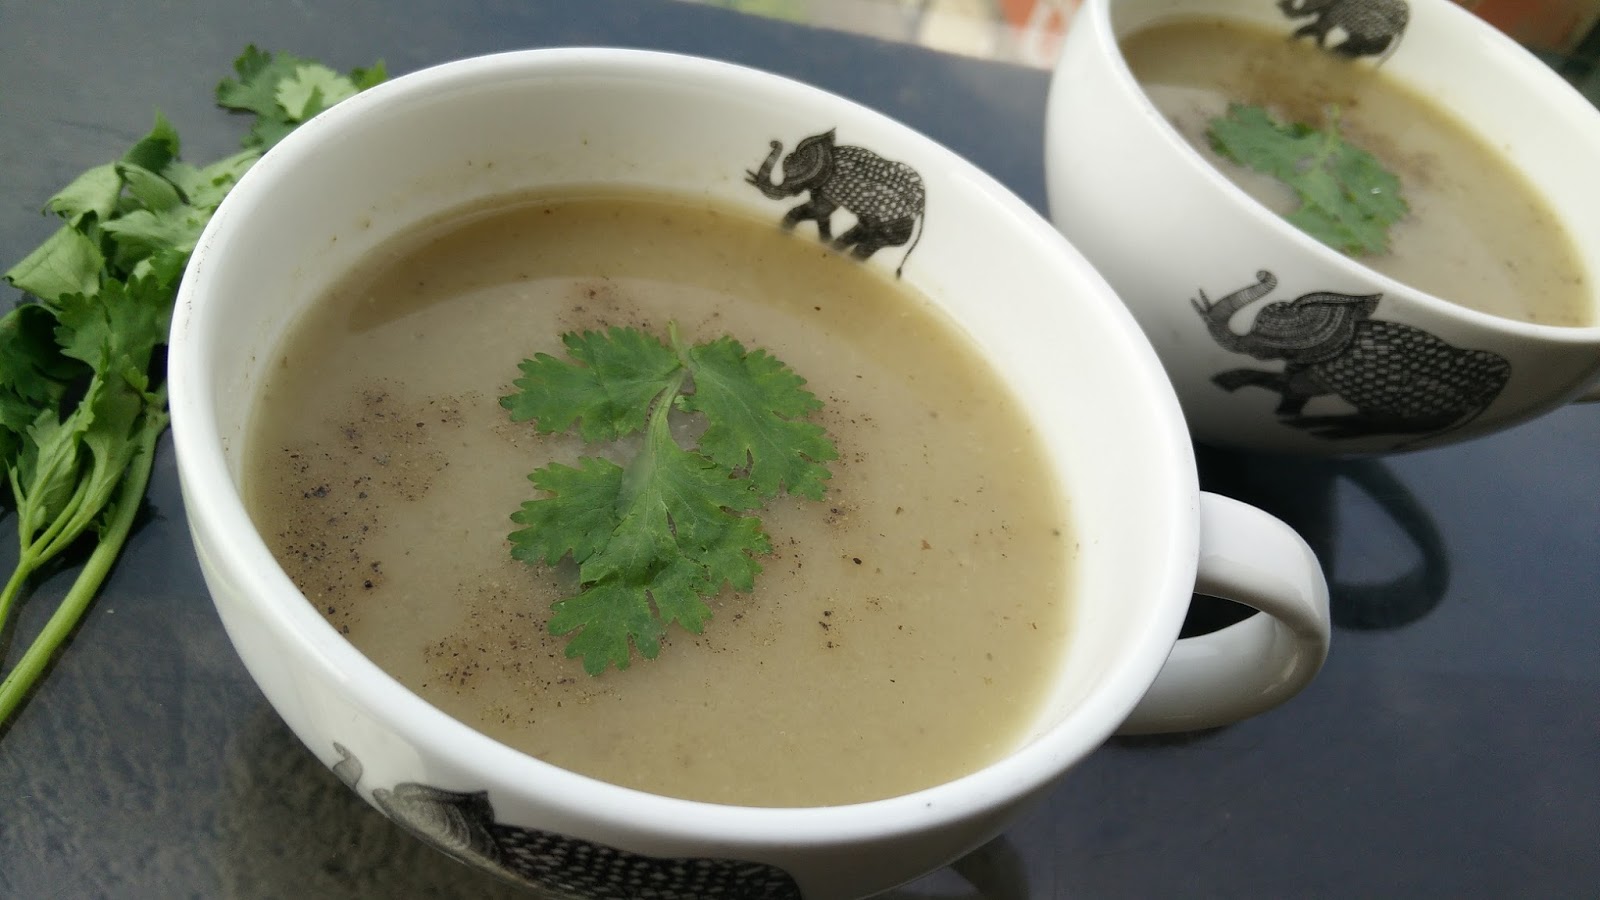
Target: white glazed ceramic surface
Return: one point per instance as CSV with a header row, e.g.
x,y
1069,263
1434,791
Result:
x,y
440,139
1153,216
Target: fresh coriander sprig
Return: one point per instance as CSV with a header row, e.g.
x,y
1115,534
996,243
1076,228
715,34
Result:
x,y
657,537
1348,200
82,388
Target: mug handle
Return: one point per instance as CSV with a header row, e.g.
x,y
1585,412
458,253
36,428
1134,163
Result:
x,y
1251,558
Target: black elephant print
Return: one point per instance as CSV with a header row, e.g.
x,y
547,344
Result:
x,y
1371,27
1400,379
887,198
562,867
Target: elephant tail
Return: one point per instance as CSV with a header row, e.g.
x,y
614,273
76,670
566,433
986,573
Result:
x,y
922,219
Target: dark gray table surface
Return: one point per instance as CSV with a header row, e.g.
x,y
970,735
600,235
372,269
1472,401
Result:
x,y
1451,747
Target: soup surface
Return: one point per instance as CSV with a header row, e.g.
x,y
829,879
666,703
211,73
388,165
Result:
x,y
1477,233
905,630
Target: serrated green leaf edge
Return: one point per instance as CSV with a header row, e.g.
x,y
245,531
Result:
x,y
651,584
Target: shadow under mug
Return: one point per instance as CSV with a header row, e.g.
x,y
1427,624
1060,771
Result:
x,y
1358,517
1273,340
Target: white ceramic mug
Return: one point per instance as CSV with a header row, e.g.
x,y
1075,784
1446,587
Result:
x,y
1390,367
377,164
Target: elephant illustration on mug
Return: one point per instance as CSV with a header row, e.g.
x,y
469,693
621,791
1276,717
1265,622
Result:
x,y
887,198
1401,379
557,866
1371,27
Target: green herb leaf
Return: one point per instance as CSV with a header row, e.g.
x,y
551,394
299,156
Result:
x,y
677,506
205,187
578,517
117,328
608,391
1348,200
256,88
95,191
312,89
156,149
142,233
369,76
82,394
32,367
147,190
67,262
284,90
678,539
607,617
45,478
14,413
756,407
656,538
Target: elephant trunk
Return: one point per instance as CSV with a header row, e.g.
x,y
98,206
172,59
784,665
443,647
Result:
x,y
1218,313
762,177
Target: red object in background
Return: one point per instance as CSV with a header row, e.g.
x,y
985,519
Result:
x,y
1039,26
1048,16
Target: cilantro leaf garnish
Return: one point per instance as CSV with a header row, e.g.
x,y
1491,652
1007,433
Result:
x,y
1348,199
608,392
756,407
657,537
82,386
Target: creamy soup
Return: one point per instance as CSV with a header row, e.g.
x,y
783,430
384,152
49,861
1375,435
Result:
x,y
1477,233
903,633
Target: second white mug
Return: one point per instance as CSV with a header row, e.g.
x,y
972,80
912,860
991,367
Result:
x,y
1273,339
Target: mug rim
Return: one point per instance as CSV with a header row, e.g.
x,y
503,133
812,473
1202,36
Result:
x,y
1531,71
215,507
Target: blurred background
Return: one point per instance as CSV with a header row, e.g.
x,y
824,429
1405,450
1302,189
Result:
x,y
1028,32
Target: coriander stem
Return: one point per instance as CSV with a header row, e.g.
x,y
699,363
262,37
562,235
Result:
x,y
119,523
676,340
640,469
19,576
